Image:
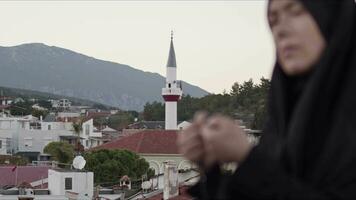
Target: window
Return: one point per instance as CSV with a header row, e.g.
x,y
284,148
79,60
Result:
x,y
0,144
68,183
28,142
49,127
35,125
87,129
86,143
8,144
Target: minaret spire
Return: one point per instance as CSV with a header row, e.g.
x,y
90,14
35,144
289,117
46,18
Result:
x,y
172,55
172,92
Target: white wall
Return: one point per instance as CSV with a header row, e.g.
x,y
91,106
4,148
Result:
x,y
36,140
156,162
82,182
171,115
56,126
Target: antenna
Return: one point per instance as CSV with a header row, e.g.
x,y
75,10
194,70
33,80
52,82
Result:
x,y
79,162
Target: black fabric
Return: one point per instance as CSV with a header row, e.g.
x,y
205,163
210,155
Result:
x,y
308,147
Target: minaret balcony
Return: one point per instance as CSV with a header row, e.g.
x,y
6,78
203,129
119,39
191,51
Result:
x,y
171,91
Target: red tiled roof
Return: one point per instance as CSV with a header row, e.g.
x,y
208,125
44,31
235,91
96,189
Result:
x,y
24,174
5,98
4,106
146,142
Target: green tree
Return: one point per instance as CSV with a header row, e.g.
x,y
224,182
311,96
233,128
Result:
x,y
21,108
45,104
77,128
154,111
121,120
13,160
62,152
110,165
39,113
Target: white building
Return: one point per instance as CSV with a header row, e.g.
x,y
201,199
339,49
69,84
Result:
x,y
37,107
173,90
68,114
5,100
28,135
184,125
90,136
62,103
63,182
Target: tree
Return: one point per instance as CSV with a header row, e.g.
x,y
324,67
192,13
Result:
x,y
121,120
39,113
77,128
21,108
13,160
45,104
235,89
62,152
109,165
154,111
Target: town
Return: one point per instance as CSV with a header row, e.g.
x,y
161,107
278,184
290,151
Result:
x,y
39,138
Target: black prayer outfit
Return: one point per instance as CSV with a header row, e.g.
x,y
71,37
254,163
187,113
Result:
x,y
308,146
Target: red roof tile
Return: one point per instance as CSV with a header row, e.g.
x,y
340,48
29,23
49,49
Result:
x,y
4,106
146,142
24,174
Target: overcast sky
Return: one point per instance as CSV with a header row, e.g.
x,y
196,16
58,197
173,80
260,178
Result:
x,y
216,43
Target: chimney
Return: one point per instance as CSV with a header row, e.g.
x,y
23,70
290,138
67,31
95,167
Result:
x,y
170,180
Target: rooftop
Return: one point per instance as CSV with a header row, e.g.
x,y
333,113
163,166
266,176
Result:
x,y
146,142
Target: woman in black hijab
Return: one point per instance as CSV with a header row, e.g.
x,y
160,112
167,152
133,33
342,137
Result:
x,y
308,147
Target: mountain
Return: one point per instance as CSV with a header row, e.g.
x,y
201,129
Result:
x,y
59,71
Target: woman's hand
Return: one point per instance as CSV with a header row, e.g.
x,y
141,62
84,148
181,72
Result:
x,y
224,141
214,140
190,142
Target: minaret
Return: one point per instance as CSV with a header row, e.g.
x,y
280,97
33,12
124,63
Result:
x,y
173,90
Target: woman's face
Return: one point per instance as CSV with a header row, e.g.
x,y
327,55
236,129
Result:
x,y
297,36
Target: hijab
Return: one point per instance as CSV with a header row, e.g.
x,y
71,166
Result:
x,y
311,123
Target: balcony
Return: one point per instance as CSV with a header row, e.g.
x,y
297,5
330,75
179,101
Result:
x,y
96,134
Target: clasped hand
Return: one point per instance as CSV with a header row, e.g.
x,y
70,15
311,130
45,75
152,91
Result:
x,y
213,140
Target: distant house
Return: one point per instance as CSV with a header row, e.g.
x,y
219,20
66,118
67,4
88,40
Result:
x,y
67,116
37,107
6,101
90,136
61,103
19,100
183,125
28,135
97,114
148,125
110,134
156,147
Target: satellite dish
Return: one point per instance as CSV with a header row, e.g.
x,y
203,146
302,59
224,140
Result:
x,y
79,162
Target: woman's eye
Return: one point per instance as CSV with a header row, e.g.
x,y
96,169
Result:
x,y
272,21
